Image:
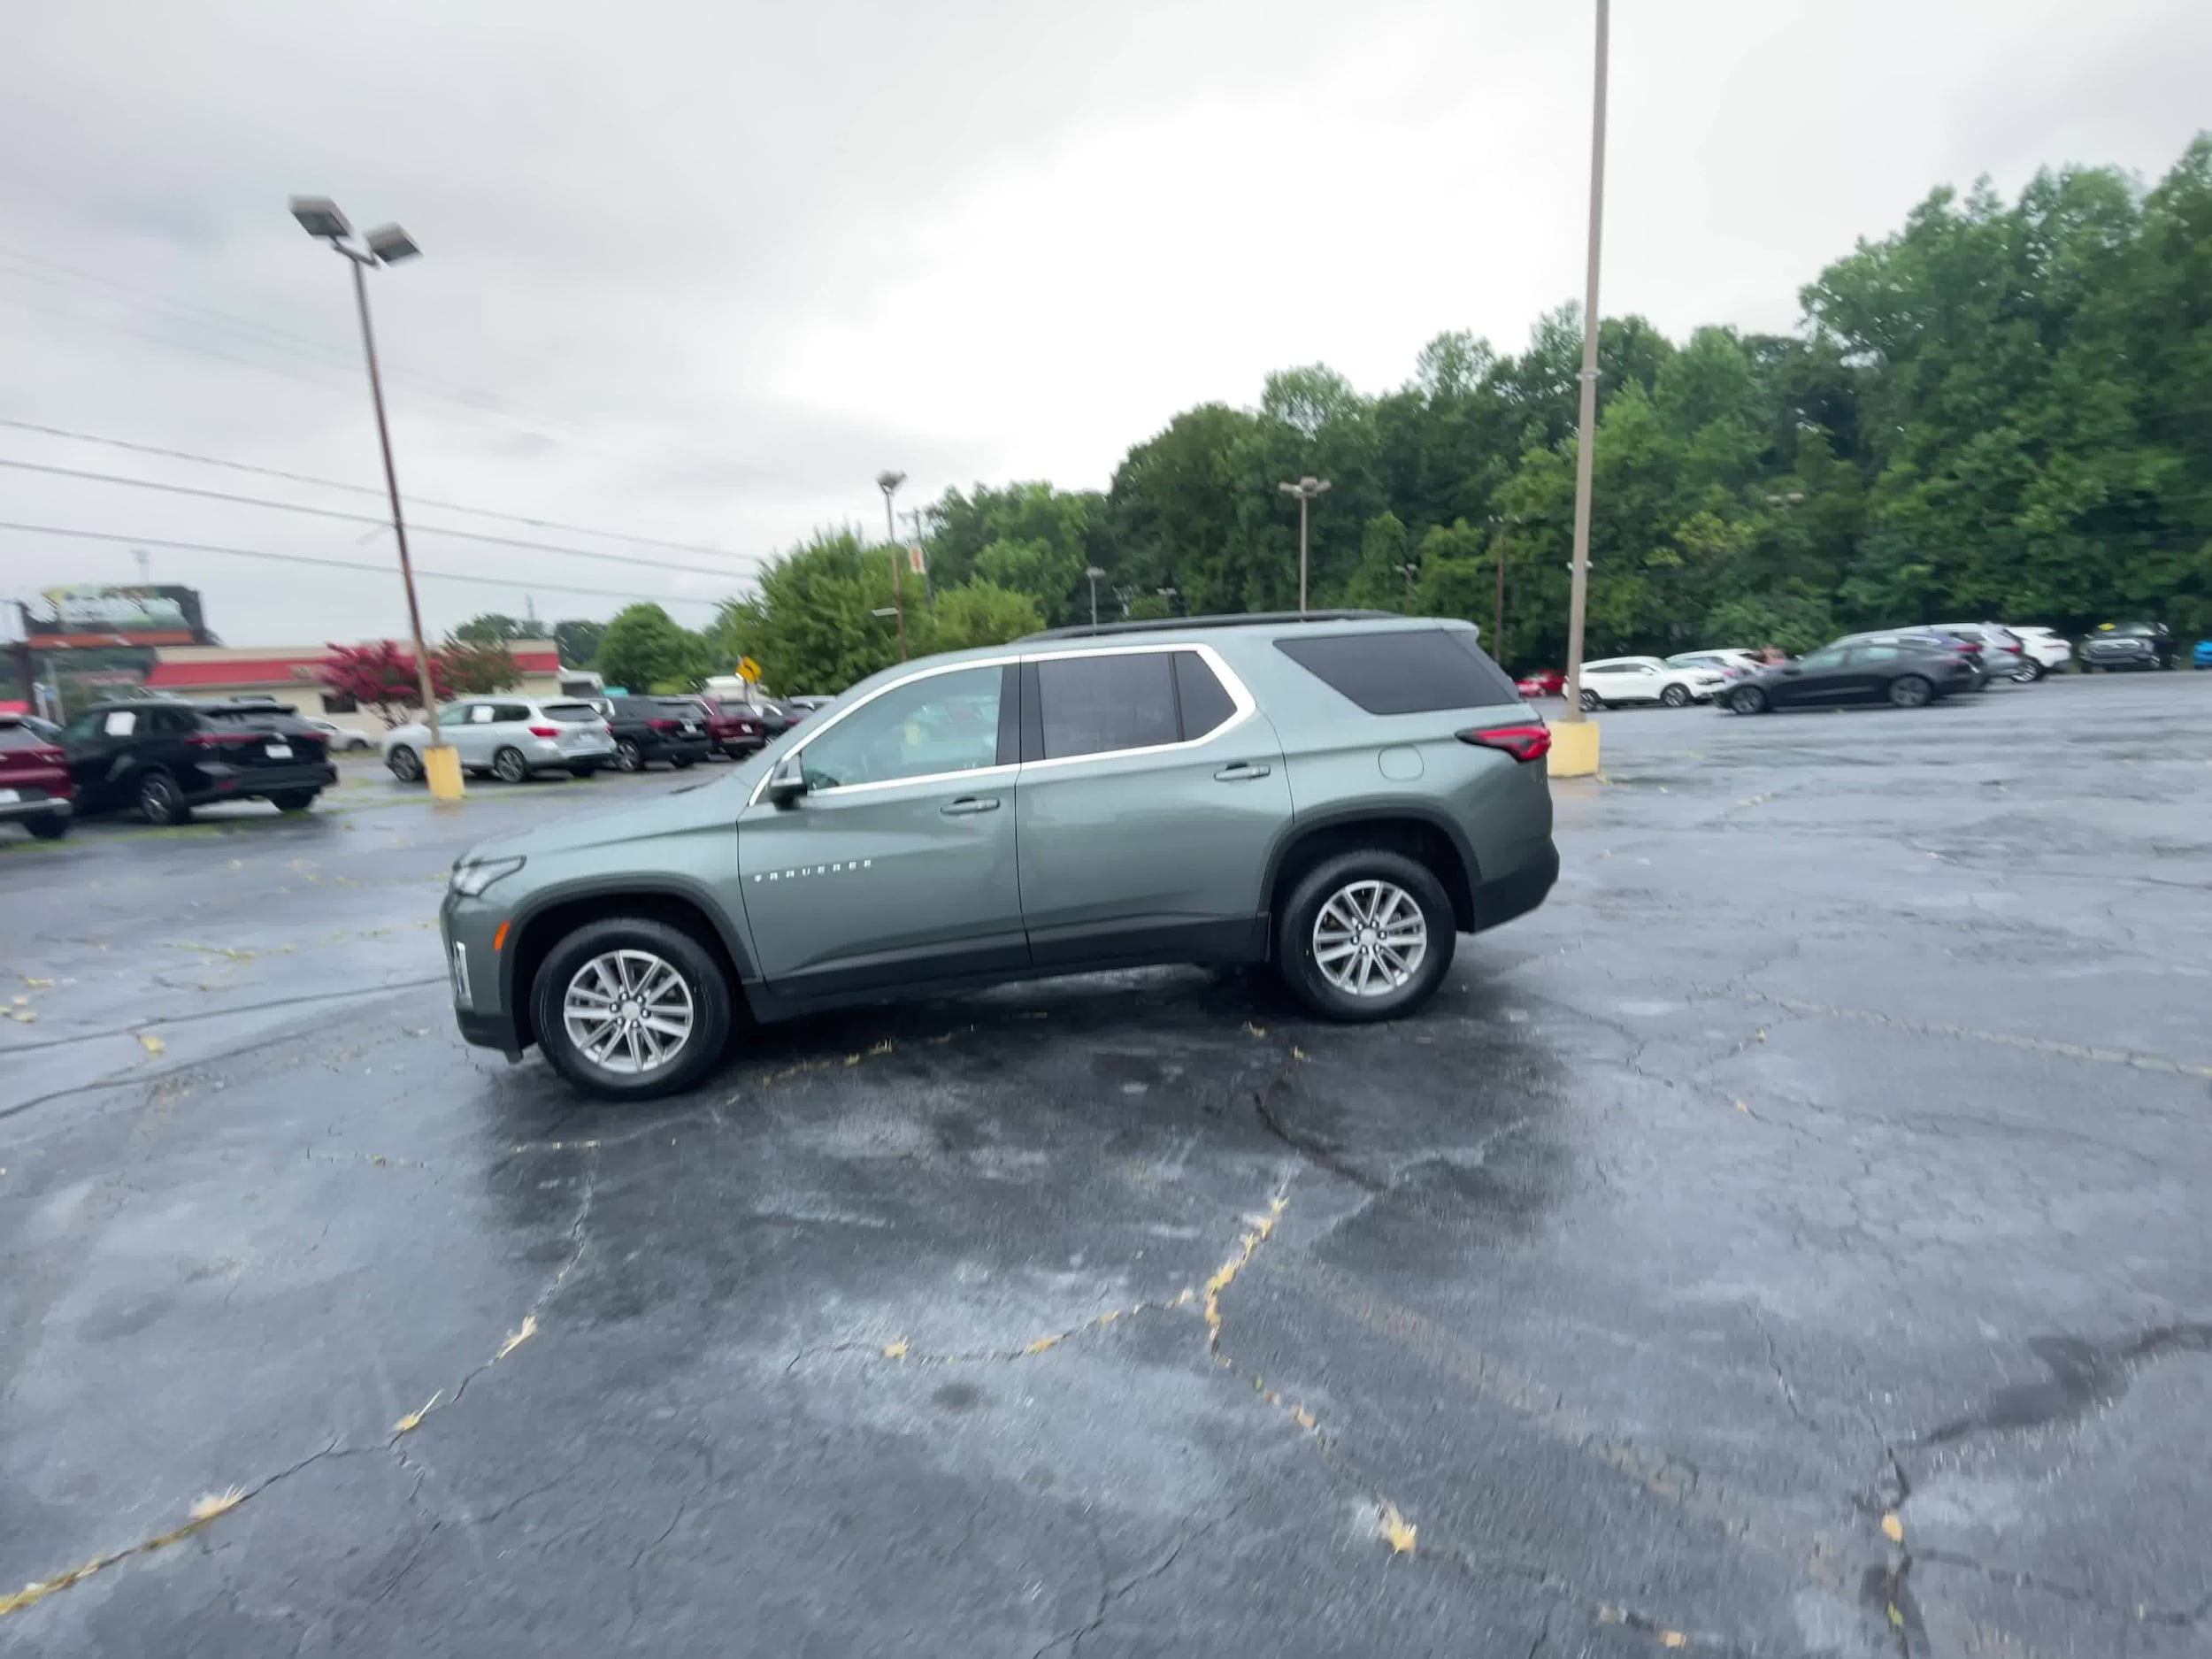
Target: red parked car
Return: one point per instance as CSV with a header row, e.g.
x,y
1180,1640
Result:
x,y
735,730
36,790
1545,682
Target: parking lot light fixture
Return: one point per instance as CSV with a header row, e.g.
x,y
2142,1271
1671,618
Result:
x,y
320,217
1307,489
1094,573
888,482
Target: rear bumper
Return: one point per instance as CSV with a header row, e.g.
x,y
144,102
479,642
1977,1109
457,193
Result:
x,y
38,806
252,783
1516,891
686,749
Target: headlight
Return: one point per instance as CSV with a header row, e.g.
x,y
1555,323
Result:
x,y
468,880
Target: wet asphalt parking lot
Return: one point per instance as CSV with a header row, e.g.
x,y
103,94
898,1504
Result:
x,y
1790,1241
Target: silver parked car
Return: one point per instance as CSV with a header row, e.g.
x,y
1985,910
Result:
x,y
508,737
2004,654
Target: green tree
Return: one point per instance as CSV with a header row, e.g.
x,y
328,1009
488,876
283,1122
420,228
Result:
x,y
981,612
477,668
646,650
494,628
578,641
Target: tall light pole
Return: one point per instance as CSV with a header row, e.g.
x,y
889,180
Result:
x,y
888,482
1306,489
320,218
1580,751
1094,573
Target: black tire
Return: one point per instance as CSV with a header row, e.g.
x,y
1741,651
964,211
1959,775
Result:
x,y
683,763
1591,702
293,800
508,766
627,755
51,827
405,764
1675,697
1910,691
160,802
1748,700
1304,975
589,769
702,976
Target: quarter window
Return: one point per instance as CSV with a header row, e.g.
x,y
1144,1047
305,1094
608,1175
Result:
x,y
1093,704
1204,700
1404,671
945,722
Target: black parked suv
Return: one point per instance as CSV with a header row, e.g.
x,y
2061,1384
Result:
x,y
2117,645
647,729
162,758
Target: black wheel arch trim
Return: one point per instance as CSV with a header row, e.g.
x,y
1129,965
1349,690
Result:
x,y
695,893
1308,824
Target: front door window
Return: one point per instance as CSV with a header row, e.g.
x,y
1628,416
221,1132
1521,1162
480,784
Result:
x,y
946,723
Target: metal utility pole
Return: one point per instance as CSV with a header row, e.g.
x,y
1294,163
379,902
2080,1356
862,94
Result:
x,y
1306,489
1497,631
1094,573
320,218
1586,453
888,482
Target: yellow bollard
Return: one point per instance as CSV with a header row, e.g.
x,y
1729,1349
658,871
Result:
x,y
1574,749
443,767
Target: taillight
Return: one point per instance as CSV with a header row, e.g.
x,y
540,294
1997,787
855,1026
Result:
x,y
221,740
662,725
545,731
1523,742
1972,648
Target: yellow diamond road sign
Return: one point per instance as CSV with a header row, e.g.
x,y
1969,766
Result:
x,y
748,670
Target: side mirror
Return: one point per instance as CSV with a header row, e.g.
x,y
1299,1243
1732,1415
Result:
x,y
787,782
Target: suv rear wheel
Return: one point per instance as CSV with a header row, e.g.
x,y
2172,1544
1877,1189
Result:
x,y
1366,935
160,802
508,766
629,1008
405,764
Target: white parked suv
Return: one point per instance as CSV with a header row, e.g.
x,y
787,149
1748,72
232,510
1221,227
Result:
x,y
2043,650
508,737
1727,661
1615,680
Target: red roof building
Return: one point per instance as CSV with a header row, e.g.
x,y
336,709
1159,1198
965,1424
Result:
x,y
207,673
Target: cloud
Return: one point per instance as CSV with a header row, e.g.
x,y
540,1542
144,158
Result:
x,y
698,271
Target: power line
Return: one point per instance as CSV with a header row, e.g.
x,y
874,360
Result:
x,y
362,517
343,564
363,489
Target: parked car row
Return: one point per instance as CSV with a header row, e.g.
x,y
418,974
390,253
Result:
x,y
160,757
1985,650
513,738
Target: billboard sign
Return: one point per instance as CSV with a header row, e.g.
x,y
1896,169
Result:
x,y
90,615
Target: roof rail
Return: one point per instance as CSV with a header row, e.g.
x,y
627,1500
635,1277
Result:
x,y
1174,624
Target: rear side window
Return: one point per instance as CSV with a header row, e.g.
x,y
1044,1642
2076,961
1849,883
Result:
x,y
570,712
1403,672
1092,704
14,736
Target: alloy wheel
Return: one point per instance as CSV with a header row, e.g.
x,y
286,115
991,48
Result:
x,y
628,1012
1369,939
627,757
510,767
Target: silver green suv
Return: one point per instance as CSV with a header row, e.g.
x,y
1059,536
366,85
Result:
x,y
1342,793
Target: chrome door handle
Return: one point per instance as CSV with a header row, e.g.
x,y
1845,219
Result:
x,y
1241,771
968,803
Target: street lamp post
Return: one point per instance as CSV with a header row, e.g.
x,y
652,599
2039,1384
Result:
x,y
888,482
1577,755
1094,573
321,218
1306,489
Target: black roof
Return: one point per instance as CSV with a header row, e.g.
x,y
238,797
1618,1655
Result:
x,y
1174,625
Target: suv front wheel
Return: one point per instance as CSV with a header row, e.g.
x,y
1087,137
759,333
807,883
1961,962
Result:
x,y
629,1008
1366,935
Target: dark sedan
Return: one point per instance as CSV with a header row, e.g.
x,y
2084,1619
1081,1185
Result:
x,y
2116,646
1906,673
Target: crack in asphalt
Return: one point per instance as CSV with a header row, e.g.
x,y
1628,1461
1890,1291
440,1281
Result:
x,y
1111,1594
2005,1039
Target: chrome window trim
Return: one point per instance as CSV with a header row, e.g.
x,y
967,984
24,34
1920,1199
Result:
x,y
1240,694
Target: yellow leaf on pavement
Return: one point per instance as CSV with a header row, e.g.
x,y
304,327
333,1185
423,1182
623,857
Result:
x,y
1396,1531
1892,1529
150,1043
216,1502
529,1330
895,1350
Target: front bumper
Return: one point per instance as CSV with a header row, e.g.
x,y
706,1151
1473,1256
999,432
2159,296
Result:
x,y
468,929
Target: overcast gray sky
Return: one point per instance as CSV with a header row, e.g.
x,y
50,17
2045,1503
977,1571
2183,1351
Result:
x,y
698,269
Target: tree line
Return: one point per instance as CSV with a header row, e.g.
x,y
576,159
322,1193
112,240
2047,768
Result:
x,y
2002,411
